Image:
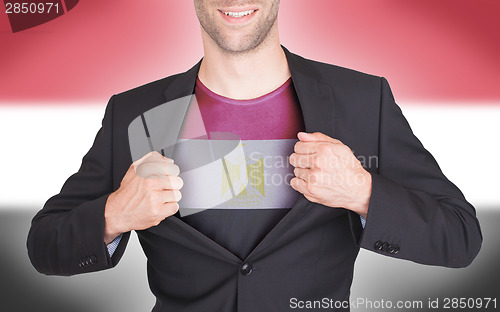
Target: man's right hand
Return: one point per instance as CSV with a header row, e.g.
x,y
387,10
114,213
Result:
x,y
148,193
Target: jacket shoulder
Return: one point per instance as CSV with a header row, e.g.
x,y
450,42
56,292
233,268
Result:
x,y
338,75
151,90
132,103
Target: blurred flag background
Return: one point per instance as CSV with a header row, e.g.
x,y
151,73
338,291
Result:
x,y
440,57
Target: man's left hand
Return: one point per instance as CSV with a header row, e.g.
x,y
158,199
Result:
x,y
327,172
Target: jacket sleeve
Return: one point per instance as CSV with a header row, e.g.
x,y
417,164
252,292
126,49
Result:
x,y
67,236
415,212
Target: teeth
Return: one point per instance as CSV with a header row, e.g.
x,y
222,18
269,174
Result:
x,y
239,14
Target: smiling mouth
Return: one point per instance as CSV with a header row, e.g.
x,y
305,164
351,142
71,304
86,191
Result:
x,y
239,14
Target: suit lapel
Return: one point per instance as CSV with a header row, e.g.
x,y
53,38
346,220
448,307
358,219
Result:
x,y
317,105
179,93
315,98
318,108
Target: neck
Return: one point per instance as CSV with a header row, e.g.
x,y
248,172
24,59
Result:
x,y
245,75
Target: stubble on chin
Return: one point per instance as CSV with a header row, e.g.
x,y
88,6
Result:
x,y
244,44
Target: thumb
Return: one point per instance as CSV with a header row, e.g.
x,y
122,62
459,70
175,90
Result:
x,y
316,137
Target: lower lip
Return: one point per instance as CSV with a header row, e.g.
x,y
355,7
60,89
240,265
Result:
x,y
237,20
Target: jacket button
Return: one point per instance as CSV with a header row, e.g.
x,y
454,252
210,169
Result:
x,y
384,246
82,263
246,269
395,249
93,260
378,245
390,249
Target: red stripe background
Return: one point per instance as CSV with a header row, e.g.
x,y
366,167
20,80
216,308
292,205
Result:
x,y
443,50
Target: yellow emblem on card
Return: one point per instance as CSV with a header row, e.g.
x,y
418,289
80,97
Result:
x,y
251,170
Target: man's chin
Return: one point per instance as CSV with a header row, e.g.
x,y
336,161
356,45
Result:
x,y
239,46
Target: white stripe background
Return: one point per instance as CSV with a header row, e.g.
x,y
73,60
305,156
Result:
x,y
42,145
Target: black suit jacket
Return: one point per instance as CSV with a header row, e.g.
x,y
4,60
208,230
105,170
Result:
x,y
415,212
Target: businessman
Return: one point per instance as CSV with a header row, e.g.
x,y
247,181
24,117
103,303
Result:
x,y
270,242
